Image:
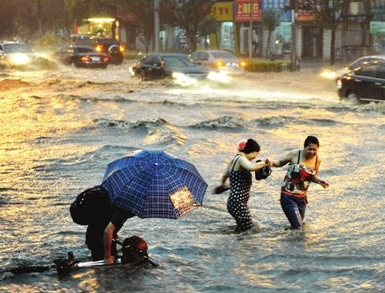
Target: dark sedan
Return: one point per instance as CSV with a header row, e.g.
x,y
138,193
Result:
x,y
365,83
82,56
168,65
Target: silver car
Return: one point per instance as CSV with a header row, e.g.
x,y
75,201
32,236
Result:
x,y
219,60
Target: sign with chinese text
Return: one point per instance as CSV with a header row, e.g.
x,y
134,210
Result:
x,y
222,11
279,7
246,9
304,16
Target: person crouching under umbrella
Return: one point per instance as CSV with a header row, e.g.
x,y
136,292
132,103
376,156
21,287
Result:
x,y
100,236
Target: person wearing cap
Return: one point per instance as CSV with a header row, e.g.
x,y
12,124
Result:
x,y
239,174
303,167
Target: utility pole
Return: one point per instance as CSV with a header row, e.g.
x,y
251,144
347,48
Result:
x,y
293,36
251,29
368,18
345,26
156,26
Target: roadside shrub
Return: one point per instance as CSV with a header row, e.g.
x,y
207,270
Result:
x,y
133,55
267,65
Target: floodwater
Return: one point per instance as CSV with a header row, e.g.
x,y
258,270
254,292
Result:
x,y
59,130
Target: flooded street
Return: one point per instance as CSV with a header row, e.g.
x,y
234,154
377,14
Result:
x,y
60,129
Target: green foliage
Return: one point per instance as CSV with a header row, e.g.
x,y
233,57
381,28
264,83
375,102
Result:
x,y
327,13
133,55
191,15
267,65
270,19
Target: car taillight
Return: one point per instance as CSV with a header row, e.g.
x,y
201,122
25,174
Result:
x,y
85,59
105,59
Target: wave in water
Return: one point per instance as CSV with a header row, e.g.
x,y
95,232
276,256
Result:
x,y
141,124
222,122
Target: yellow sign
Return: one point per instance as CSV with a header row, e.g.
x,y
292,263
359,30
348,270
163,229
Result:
x,y
222,11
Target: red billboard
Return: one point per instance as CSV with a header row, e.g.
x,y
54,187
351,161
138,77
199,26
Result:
x,y
246,9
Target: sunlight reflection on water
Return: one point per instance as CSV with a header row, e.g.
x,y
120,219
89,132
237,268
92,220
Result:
x,y
60,129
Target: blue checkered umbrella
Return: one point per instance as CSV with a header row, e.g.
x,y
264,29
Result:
x,y
154,184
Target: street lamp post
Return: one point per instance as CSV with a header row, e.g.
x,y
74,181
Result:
x,y
156,26
251,29
293,40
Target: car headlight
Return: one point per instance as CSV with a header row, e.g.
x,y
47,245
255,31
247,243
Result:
x,y
19,59
179,75
220,64
218,77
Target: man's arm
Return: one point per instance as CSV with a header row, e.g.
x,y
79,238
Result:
x,y
108,235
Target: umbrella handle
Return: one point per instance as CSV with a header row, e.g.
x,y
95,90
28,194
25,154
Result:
x,y
152,263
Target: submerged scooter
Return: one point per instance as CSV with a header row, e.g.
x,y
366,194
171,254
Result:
x,y
134,251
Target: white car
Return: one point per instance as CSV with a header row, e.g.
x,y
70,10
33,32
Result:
x,y
15,53
219,60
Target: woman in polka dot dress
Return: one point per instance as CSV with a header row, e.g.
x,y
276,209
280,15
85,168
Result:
x,y
240,177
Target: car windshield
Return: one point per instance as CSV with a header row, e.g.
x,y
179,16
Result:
x,y
217,55
17,48
178,61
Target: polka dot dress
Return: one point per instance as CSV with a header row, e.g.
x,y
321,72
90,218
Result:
x,y
240,183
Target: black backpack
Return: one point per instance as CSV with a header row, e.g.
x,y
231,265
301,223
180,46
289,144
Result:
x,y
92,206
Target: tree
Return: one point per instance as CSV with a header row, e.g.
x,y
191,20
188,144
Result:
x,y
193,16
328,14
7,27
206,27
270,21
18,19
141,20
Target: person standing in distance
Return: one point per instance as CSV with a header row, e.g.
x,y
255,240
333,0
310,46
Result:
x,y
303,167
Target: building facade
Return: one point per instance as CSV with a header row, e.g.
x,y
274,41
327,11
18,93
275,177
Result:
x,y
360,30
